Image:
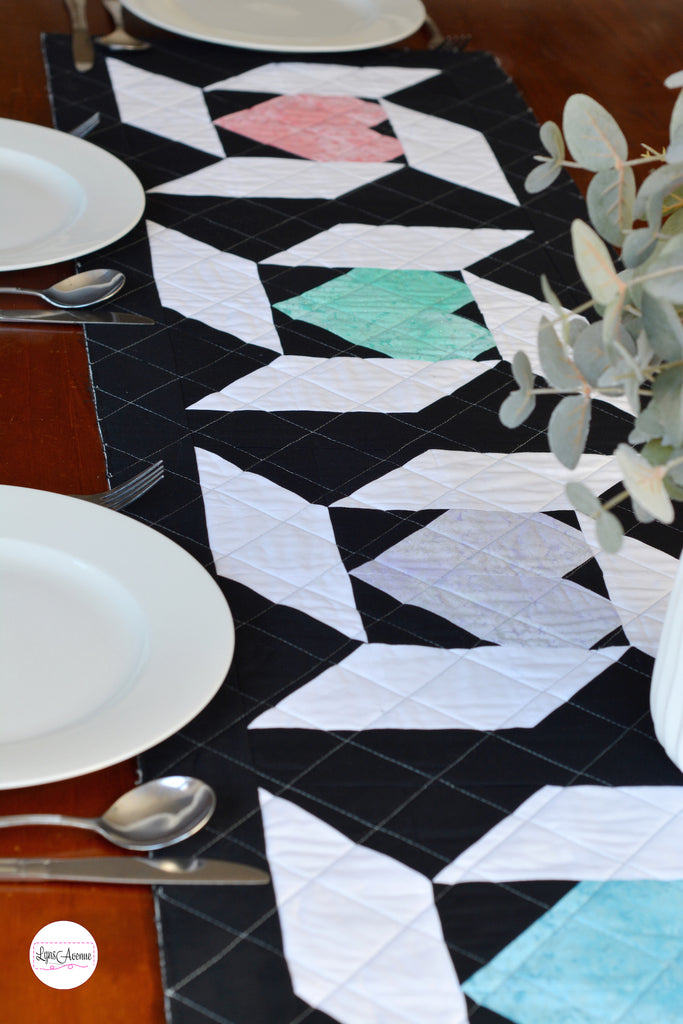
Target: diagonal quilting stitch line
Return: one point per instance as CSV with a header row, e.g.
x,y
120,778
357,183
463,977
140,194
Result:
x,y
237,937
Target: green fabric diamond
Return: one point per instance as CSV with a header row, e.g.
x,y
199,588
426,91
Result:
x,y
407,314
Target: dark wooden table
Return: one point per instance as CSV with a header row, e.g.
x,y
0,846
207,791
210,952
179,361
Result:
x,y
618,51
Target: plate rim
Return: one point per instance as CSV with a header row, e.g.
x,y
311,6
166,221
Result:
x,y
83,160
141,9
99,740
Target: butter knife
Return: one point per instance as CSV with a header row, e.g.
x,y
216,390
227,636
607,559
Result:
x,y
131,871
68,316
81,42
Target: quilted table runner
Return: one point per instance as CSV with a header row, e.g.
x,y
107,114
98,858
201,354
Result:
x,y
435,733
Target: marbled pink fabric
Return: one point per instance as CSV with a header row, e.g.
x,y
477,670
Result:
x,y
317,127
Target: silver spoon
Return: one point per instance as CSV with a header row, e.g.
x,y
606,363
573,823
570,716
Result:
x,y
156,814
80,290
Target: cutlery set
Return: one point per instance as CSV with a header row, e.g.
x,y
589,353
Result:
x,y
148,817
81,41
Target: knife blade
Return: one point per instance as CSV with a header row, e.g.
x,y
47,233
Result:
x,y
69,316
131,871
81,43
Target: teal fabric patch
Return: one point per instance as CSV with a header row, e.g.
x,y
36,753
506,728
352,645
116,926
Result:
x,y
406,314
608,952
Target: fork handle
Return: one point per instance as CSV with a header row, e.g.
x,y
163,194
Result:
x,y
115,12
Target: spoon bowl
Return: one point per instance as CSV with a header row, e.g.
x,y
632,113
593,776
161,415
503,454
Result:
x,y
84,289
156,814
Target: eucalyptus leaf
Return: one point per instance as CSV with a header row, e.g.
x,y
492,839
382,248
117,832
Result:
x,y
610,532
516,408
658,454
550,296
638,245
646,427
666,405
589,353
645,483
676,131
557,368
551,140
568,429
674,490
583,499
674,152
611,322
594,264
542,177
522,371
641,514
663,327
663,275
610,198
594,138
654,190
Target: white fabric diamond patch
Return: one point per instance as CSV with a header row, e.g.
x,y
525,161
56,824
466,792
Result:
x,y
639,579
389,686
291,78
345,384
518,482
449,151
397,246
273,541
163,106
279,177
220,289
580,833
500,576
361,935
513,318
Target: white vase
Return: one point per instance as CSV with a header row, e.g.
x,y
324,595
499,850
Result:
x,y
666,690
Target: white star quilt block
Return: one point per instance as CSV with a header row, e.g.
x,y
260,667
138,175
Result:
x,y
362,937
243,177
291,78
345,384
163,106
220,289
276,543
451,151
390,686
397,246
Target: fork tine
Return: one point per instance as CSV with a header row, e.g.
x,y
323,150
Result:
x,y
127,492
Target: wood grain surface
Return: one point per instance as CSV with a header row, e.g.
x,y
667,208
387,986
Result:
x,y
618,51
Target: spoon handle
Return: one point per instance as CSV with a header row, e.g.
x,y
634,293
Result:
x,y
7,290
14,820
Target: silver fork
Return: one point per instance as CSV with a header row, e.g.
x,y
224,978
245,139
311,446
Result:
x,y
125,493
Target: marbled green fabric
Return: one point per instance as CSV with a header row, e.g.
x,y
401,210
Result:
x,y
407,314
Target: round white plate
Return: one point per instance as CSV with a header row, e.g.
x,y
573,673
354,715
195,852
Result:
x,y
60,196
112,637
295,26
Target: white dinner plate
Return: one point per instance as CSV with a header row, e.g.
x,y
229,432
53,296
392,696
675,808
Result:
x,y
112,637
295,26
60,196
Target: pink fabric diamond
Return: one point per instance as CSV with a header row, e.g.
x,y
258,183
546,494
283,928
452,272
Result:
x,y
317,127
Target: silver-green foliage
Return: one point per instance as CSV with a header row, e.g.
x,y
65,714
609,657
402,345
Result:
x,y
634,346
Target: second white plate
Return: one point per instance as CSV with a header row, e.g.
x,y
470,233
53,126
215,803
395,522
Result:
x,y
294,26
60,196
112,637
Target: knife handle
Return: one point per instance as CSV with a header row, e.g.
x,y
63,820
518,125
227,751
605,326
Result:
x,y
21,869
